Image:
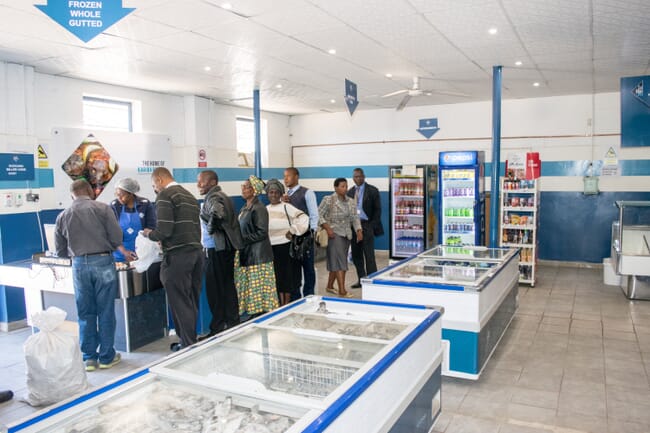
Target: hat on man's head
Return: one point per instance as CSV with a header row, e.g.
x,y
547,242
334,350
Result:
x,y
129,185
274,184
257,184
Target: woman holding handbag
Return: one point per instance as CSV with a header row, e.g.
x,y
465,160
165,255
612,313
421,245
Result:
x,y
285,222
338,213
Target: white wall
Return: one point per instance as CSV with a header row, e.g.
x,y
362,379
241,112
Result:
x,y
559,128
32,104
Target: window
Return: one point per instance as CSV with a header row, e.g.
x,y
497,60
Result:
x,y
246,140
109,114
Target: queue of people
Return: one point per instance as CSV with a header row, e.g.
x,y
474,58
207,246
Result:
x,y
244,256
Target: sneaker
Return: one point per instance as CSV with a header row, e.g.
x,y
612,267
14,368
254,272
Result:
x,y
91,364
116,360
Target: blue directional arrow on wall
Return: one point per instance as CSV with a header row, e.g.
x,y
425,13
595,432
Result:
x,y
428,127
640,94
351,96
85,19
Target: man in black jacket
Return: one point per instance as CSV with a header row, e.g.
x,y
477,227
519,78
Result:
x,y
220,221
369,210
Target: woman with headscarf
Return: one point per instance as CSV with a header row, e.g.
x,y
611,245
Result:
x,y
134,213
337,213
254,275
285,220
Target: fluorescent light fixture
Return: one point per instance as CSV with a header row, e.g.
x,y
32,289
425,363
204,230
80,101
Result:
x,y
278,86
332,101
536,84
428,93
389,75
207,68
331,51
493,30
226,6
519,63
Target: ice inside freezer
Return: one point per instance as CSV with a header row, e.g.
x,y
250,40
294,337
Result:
x,y
171,407
343,326
295,363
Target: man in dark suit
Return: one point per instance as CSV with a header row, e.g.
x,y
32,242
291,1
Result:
x,y
369,210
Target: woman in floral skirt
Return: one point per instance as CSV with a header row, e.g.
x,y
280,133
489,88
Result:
x,y
254,275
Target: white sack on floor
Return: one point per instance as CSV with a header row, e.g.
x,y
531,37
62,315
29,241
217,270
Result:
x,y
55,369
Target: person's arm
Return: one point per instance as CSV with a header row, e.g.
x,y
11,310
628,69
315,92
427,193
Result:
x,y
312,208
356,221
165,222
299,220
218,215
324,215
149,216
60,241
113,230
376,207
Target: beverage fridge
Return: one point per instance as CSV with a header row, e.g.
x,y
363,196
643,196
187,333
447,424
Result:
x,y
413,196
462,198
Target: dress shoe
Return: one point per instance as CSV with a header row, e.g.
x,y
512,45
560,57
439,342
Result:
x,y
6,396
175,347
356,286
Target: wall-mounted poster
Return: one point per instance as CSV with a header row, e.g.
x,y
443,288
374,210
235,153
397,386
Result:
x,y
92,162
103,158
635,111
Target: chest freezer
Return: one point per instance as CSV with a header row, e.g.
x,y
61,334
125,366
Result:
x,y
316,365
477,287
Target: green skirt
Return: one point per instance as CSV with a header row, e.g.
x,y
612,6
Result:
x,y
255,287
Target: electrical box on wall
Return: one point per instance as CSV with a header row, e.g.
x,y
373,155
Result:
x,y
18,199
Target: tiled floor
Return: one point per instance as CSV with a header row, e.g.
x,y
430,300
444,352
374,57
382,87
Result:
x,y
575,359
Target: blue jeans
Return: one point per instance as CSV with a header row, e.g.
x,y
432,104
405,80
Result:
x,y
95,288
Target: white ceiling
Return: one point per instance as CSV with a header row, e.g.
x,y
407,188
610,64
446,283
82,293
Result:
x,y
568,46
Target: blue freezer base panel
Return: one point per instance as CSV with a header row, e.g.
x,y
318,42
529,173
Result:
x,y
470,351
422,412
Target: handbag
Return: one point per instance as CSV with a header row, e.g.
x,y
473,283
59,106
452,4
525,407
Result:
x,y
301,246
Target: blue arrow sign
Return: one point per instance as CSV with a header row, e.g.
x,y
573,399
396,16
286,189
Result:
x,y
428,127
351,96
639,94
85,19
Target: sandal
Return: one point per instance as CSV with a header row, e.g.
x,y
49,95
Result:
x,y
347,295
332,290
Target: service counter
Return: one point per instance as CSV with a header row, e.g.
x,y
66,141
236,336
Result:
x,y
140,305
477,287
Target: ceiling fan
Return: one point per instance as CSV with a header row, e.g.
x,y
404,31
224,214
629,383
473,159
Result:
x,y
416,91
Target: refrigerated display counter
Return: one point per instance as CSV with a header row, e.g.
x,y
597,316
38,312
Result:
x,y
477,287
316,365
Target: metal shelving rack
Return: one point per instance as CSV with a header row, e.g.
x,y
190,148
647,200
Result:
x,y
519,223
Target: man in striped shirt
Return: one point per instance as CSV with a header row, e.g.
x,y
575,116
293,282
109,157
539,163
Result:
x,y
179,231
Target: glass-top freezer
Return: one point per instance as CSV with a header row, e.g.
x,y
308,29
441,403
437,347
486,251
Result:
x,y
466,266
299,362
339,324
160,405
469,253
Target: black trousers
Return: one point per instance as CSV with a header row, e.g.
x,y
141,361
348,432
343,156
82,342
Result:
x,y
220,289
363,253
181,275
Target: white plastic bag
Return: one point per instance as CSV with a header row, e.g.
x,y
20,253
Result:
x,y
147,251
55,369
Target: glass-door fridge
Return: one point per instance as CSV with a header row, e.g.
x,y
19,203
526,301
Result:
x,y
462,198
413,209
